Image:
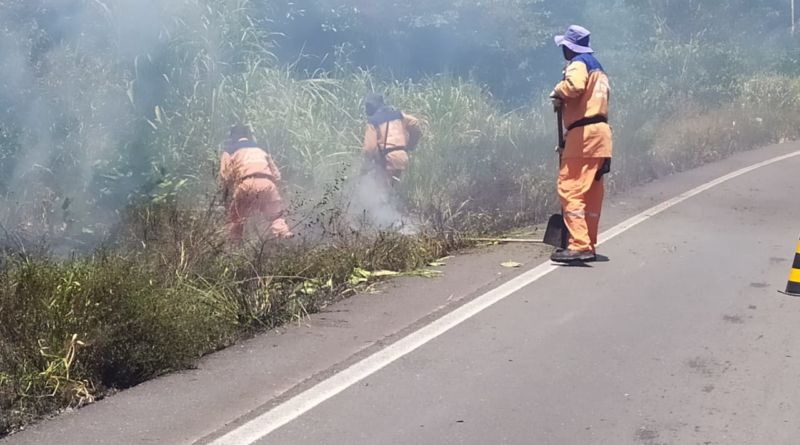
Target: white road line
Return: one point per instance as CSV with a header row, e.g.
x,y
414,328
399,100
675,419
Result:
x,y
279,416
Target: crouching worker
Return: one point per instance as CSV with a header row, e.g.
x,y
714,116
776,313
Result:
x,y
250,179
583,97
389,138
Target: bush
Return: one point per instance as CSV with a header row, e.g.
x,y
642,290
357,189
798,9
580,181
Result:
x,y
164,295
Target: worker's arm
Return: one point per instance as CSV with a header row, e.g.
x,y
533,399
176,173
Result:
x,y
574,83
370,142
414,130
225,168
225,175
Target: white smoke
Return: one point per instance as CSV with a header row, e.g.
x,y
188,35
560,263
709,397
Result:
x,y
70,121
375,205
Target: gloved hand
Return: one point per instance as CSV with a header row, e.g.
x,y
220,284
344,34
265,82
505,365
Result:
x,y
557,102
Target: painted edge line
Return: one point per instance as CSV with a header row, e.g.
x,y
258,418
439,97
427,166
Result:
x,y
268,422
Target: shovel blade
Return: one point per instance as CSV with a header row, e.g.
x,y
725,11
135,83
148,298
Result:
x,y
556,233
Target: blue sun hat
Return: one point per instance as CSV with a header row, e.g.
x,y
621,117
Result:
x,y
577,39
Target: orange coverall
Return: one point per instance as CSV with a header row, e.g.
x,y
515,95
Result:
x,y
252,176
585,94
391,149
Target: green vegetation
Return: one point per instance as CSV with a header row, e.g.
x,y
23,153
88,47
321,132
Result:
x,y
115,267
119,317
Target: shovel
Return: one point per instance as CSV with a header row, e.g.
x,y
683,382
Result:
x,y
557,233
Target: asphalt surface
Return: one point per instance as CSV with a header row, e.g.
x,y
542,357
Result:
x,y
680,337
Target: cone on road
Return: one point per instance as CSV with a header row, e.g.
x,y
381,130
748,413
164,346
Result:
x,y
793,288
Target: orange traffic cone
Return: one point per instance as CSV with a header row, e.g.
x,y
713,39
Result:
x,y
793,288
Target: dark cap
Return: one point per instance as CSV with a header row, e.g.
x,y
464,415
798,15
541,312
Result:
x,y
240,131
373,102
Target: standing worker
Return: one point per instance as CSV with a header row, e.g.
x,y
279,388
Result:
x,y
250,179
583,97
390,136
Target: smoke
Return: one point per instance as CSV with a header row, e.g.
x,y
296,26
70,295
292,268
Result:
x,y
375,205
85,92
100,99
78,81
372,201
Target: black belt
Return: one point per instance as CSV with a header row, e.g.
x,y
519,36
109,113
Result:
x,y
259,176
386,151
589,121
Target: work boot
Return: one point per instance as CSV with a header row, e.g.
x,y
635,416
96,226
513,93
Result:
x,y
567,256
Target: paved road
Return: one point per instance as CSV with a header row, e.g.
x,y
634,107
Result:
x,y
680,338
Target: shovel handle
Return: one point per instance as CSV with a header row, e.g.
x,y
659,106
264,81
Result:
x,y
560,123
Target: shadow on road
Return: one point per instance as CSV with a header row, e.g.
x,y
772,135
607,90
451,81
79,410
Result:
x,y
577,264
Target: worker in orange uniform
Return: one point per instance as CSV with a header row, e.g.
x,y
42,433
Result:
x,y
389,138
583,97
250,178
